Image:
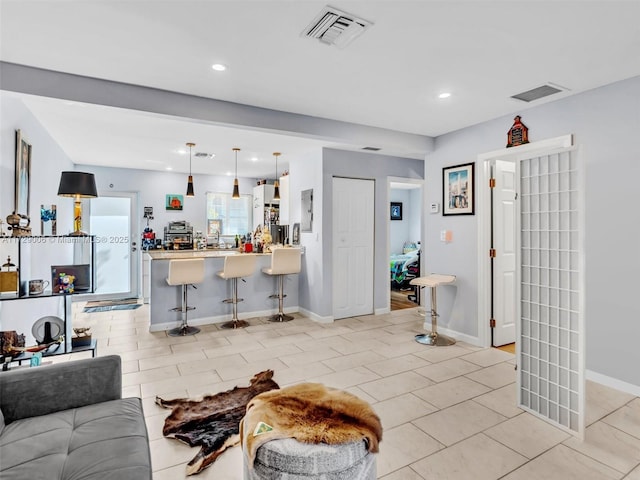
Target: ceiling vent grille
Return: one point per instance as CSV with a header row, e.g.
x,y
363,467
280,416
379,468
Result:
x,y
537,93
335,27
371,149
203,155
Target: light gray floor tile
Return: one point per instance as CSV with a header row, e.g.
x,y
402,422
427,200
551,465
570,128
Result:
x,y
477,458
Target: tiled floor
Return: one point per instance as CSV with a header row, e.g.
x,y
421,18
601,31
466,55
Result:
x,y
447,412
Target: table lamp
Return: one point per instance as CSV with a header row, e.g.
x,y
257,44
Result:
x,y
77,185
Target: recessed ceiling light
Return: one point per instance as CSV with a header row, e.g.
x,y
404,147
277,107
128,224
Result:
x,y
254,159
444,95
169,168
229,174
218,67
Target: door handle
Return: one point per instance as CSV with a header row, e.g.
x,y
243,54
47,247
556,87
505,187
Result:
x,y
133,249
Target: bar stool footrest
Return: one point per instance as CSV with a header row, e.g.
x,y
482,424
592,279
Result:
x,y
230,300
179,309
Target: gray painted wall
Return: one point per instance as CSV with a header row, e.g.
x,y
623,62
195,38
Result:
x,y
605,123
341,163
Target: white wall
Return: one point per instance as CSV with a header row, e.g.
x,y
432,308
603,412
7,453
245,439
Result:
x,y
306,173
153,186
605,123
47,161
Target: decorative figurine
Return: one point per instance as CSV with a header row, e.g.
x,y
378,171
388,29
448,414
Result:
x,y
518,133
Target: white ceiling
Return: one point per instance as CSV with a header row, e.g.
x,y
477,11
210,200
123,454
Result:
x,y
390,77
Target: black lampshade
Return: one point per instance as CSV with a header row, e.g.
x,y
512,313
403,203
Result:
x,y
276,190
190,187
78,184
236,190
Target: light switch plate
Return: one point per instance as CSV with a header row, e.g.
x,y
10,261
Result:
x,y
434,207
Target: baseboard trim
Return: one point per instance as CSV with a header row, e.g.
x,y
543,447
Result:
x,y
612,382
197,322
315,317
461,337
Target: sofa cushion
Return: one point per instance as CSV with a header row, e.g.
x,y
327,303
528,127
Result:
x,y
101,441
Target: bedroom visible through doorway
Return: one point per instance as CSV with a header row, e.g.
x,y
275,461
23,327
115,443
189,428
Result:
x,y
405,233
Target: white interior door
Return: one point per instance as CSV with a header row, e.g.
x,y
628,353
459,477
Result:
x,y
353,214
505,289
116,265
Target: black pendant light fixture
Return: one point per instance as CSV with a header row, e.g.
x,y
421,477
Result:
x,y
276,184
190,182
236,190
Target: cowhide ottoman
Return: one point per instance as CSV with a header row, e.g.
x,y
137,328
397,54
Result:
x,y
309,431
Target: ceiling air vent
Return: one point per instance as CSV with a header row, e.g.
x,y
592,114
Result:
x,y
203,155
537,93
371,149
335,27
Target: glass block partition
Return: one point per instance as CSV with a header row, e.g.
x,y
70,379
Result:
x,y
550,362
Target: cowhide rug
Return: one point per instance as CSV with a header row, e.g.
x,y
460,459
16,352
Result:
x,y
310,413
212,423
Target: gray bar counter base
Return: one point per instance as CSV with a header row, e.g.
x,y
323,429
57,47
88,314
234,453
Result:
x,y
210,295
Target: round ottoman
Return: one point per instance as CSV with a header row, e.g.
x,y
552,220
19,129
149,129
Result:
x,y
288,459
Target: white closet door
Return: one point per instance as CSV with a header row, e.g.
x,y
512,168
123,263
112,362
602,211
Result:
x,y
353,215
551,349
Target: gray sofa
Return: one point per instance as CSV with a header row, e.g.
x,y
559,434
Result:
x,y
68,421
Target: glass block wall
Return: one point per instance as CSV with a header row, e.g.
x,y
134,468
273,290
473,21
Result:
x,y
550,356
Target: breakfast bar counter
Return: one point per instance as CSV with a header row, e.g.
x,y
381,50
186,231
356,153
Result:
x,y
208,296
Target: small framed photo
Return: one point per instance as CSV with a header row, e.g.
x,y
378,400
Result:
x,y
457,190
173,202
396,210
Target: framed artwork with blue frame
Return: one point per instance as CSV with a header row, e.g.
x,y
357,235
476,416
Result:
x,y
396,210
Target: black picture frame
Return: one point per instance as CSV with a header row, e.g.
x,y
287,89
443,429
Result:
x,y
395,211
458,192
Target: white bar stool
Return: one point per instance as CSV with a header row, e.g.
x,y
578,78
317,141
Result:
x,y
185,272
284,261
434,280
237,266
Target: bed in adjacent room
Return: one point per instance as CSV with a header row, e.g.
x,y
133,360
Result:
x,y
404,266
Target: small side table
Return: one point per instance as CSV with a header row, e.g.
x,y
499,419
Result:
x,y
434,280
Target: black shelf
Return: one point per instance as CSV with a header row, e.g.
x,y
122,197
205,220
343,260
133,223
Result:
x,y
23,357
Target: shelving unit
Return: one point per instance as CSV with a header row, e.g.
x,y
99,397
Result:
x,y
34,257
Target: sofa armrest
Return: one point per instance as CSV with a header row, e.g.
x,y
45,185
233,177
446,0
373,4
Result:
x,y
35,391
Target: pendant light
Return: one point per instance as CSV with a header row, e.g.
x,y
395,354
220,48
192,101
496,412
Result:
x,y
236,190
276,184
190,182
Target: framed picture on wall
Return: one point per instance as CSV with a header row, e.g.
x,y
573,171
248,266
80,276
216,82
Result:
x,y
23,174
457,190
396,210
173,201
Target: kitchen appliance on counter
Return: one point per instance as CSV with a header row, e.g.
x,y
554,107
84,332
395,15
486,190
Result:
x,y
178,236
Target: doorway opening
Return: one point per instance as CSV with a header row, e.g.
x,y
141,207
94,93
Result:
x,y
405,241
112,221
